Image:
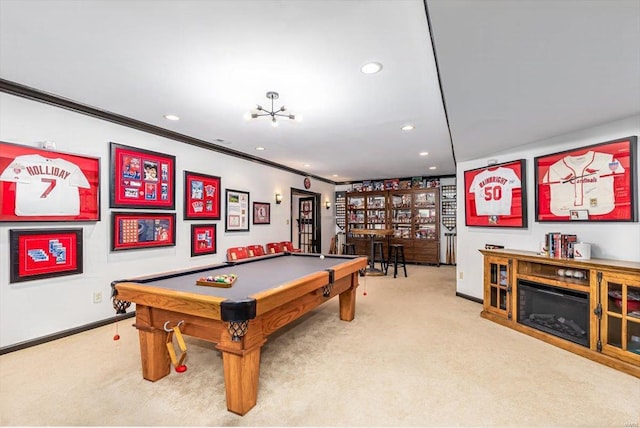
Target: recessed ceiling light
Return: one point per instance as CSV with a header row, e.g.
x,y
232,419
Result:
x,y
371,68
171,117
433,167
408,128
306,165
259,149
424,153
335,175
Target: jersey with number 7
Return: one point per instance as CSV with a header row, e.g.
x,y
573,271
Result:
x,y
493,191
45,186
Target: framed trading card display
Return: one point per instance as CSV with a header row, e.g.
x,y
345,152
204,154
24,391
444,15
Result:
x,y
203,239
44,253
201,196
495,196
44,185
141,178
591,183
142,230
237,211
261,213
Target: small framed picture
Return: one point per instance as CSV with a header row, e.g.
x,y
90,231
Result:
x,y
201,196
579,215
261,213
131,230
237,211
44,253
203,239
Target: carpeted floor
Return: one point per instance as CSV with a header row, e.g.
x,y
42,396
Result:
x,y
415,355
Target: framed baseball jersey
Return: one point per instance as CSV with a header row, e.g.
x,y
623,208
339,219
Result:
x,y
597,181
45,185
495,195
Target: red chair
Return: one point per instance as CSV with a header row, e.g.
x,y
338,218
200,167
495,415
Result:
x,y
288,246
237,253
255,250
275,247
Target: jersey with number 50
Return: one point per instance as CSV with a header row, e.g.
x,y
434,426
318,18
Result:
x,y
45,186
493,191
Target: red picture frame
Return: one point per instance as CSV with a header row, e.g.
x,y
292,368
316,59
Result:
x,y
46,185
495,195
201,196
130,230
203,239
141,178
44,253
598,178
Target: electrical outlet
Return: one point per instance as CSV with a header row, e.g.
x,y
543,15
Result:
x,y
97,296
460,275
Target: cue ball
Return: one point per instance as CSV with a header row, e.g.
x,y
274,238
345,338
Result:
x,y
321,257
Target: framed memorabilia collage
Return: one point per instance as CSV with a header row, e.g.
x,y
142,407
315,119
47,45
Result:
x,y
495,196
591,183
44,253
237,211
44,185
203,239
131,230
141,178
201,196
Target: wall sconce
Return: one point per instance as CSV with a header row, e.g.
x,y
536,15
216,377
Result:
x,y
278,198
327,204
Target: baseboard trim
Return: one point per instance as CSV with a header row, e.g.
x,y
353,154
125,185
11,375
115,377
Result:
x,y
65,333
473,299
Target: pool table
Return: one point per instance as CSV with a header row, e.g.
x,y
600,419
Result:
x,y
269,293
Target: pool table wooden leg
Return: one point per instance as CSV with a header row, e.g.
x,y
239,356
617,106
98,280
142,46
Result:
x,y
156,363
241,362
348,300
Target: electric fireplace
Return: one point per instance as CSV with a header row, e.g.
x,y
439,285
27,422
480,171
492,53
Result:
x,y
558,311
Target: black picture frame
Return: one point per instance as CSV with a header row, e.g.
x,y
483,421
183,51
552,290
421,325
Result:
x,y
236,211
44,253
261,213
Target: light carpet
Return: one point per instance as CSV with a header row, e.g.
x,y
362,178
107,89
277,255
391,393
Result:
x,y
415,355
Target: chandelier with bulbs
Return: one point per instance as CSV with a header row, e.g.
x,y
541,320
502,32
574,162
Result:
x,y
273,112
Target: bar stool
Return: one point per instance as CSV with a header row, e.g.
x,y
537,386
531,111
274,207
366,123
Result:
x,y
349,248
396,251
378,256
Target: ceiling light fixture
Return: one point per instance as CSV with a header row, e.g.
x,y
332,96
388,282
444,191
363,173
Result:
x,y
260,149
408,128
371,68
171,117
273,112
424,153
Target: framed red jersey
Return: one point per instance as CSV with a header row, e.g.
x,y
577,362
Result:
x,y
591,183
45,185
495,196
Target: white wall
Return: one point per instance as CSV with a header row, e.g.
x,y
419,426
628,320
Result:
x,y
610,240
37,308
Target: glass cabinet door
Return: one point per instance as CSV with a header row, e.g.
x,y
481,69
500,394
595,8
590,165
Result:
x,y
426,216
376,211
355,212
497,297
401,214
621,316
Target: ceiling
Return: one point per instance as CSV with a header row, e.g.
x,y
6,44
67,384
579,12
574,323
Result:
x,y
505,73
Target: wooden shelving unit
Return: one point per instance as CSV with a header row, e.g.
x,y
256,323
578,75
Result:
x,y
412,214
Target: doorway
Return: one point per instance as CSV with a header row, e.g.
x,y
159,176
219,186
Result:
x,y
305,221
